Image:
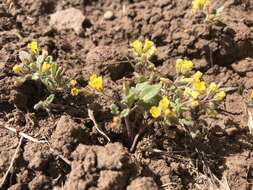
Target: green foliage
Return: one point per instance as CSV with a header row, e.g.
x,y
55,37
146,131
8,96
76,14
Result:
x,y
45,104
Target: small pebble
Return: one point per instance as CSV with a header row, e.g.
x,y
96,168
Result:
x,y
108,15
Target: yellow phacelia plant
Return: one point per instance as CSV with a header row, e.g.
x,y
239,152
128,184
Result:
x,y
203,6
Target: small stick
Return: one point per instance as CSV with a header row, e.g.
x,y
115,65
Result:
x,y
136,138
12,162
22,134
32,139
92,118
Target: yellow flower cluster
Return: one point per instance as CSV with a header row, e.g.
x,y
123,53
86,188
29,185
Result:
x,y
96,82
74,91
46,67
143,50
200,5
220,96
163,107
17,69
183,66
200,88
33,46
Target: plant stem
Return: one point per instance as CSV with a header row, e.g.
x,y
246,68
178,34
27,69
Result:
x,y
136,138
129,128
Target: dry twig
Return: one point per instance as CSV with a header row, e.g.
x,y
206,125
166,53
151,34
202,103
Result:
x,y
12,162
24,135
92,118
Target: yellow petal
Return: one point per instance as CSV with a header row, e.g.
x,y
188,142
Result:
x,y
74,92
155,111
164,103
137,47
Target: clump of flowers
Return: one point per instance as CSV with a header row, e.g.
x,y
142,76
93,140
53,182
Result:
x,y
143,51
96,82
155,100
203,6
37,65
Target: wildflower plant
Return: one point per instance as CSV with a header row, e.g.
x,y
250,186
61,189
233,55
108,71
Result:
x,y
203,7
164,102
37,65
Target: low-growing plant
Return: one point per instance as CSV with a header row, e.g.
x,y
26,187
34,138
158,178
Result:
x,y
163,102
151,100
37,65
203,6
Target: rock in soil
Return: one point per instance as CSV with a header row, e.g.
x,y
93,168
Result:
x,y
67,19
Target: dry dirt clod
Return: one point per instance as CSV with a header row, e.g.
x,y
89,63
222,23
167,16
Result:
x,y
108,60
67,135
243,66
67,19
107,167
141,182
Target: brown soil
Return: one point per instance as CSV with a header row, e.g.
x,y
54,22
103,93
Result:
x,y
76,156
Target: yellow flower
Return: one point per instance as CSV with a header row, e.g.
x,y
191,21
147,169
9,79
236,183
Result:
x,y
168,113
199,86
17,69
195,95
220,96
73,83
197,76
251,95
137,47
74,92
46,67
164,103
149,48
194,103
200,5
212,87
183,66
155,111
96,82
33,46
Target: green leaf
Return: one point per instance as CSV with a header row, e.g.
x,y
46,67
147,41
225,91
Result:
x,y
25,57
187,122
54,69
125,89
130,98
141,86
149,92
50,98
45,104
125,112
39,61
35,76
219,11
50,59
114,109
